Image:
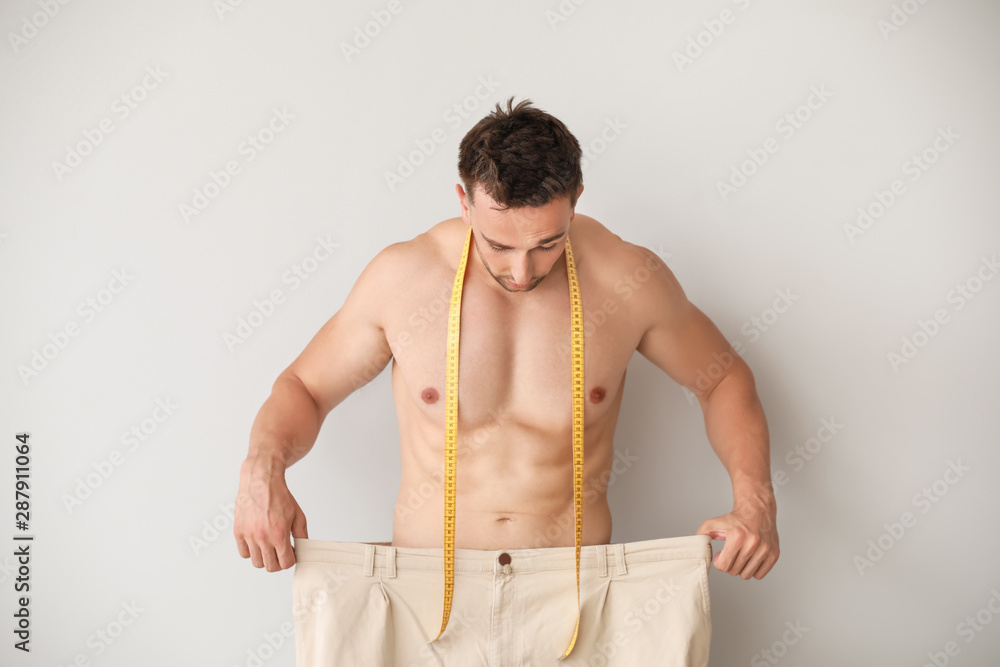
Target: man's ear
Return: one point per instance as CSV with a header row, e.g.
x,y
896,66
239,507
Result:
x,y
462,202
572,213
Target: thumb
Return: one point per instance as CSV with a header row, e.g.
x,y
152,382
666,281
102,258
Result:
x,y
714,528
299,524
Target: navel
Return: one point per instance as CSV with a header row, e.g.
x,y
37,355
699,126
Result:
x,y
430,395
597,394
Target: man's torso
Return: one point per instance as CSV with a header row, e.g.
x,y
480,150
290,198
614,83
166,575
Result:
x,y
514,470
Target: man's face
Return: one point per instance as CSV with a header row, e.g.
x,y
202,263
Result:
x,y
518,247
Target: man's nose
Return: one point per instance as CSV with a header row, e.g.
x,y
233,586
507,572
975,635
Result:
x,y
521,271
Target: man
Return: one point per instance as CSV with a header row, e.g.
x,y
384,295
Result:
x,y
514,532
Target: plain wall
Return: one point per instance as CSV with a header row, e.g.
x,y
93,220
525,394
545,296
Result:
x,y
884,79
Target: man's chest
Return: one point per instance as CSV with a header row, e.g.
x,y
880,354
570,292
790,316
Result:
x,y
513,360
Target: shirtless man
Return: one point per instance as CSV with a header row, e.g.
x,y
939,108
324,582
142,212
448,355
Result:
x,y
515,370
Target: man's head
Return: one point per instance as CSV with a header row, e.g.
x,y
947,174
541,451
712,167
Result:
x,y
522,177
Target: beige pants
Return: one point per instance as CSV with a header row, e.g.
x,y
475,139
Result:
x,y
359,604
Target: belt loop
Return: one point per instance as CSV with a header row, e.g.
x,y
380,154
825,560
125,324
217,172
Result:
x,y
369,564
602,560
390,562
620,559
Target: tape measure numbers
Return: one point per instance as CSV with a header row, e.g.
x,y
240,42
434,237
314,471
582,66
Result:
x,y
451,427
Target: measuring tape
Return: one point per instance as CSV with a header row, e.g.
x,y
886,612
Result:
x,y
451,427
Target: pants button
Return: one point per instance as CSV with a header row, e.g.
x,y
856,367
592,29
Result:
x,y
504,558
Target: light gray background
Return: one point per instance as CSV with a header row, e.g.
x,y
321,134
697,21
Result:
x,y
656,184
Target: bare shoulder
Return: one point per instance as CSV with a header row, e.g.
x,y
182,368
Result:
x,y
618,257
442,242
417,255
412,271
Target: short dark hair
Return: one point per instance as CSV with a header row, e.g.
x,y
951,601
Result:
x,y
521,157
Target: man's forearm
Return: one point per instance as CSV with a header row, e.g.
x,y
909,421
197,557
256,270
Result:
x,y
737,430
285,428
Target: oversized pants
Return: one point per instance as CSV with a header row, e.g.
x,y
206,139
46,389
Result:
x,y
362,604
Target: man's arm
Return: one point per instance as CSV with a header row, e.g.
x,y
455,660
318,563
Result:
x,y
348,352
683,342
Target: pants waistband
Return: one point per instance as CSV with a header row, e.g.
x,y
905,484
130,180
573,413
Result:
x,y
618,556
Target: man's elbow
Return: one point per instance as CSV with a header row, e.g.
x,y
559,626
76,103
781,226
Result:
x,y
736,376
296,387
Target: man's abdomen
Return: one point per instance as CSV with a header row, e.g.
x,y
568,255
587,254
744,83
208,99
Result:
x,y
514,490
419,522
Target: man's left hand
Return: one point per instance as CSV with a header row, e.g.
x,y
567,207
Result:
x,y
751,537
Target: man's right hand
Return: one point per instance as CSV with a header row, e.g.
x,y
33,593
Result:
x,y
265,513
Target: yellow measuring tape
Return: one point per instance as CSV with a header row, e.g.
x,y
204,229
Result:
x,y
451,427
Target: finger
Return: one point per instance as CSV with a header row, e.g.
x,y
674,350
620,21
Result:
x,y
299,525
709,528
241,546
724,561
255,558
241,543
747,552
270,558
286,554
739,553
753,564
765,567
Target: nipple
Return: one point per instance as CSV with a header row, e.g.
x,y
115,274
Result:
x,y
597,394
429,395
